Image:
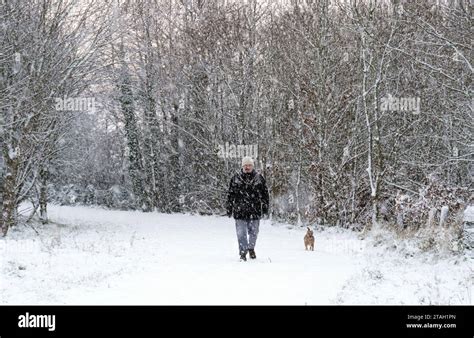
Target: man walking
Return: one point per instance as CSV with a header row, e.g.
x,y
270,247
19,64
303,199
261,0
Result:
x,y
247,201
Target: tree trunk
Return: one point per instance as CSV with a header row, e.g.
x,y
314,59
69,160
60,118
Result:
x,y
43,195
9,205
131,131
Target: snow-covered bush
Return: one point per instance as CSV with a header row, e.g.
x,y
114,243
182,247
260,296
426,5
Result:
x,y
116,197
468,228
434,216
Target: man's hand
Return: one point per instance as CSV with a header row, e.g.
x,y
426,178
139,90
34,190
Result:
x,y
265,212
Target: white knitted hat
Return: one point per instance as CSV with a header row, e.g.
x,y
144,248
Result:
x,y
247,160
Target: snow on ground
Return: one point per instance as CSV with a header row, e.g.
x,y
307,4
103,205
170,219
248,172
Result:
x,y
97,256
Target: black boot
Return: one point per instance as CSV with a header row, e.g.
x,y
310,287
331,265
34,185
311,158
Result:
x,y
243,256
252,254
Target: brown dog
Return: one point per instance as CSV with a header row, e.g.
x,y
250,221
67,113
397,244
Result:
x,y
309,240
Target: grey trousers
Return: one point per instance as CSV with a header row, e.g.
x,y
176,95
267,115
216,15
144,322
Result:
x,y
244,228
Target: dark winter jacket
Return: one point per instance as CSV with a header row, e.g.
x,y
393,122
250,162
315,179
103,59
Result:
x,y
248,196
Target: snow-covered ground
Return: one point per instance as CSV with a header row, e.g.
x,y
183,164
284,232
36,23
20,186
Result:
x,y
96,256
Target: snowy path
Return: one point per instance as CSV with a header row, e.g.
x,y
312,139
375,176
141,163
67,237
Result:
x,y
96,256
